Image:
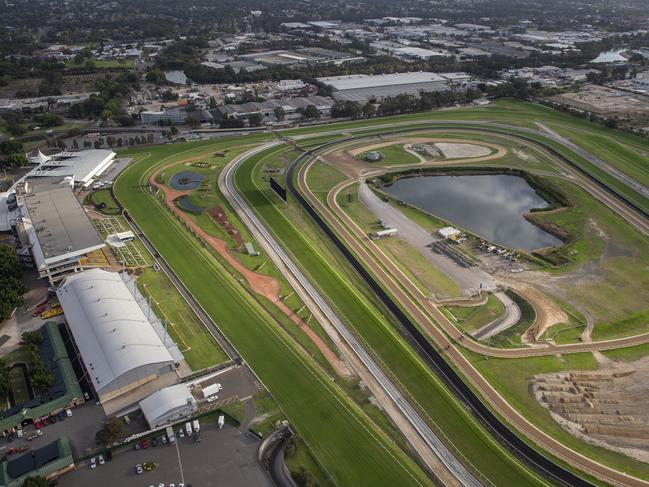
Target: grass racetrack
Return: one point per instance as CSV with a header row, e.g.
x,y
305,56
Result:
x,y
352,451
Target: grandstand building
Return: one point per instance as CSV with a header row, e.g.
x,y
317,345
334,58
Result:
x,y
54,233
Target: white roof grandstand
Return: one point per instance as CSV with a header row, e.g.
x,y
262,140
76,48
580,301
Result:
x,y
355,81
83,165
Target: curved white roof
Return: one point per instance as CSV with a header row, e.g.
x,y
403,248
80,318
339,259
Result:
x,y
37,157
161,403
111,331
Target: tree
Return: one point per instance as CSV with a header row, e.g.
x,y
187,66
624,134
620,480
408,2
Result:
x,y
11,285
4,377
13,160
369,110
36,482
304,478
311,112
112,431
110,140
280,113
32,338
255,119
11,147
41,378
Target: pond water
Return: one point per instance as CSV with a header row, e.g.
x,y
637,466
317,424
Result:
x,y
184,203
610,56
186,180
491,206
176,76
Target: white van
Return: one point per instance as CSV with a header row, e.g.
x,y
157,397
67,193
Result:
x,y
188,428
196,425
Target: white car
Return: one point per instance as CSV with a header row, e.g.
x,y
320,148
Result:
x,y
19,433
68,413
181,433
93,463
101,460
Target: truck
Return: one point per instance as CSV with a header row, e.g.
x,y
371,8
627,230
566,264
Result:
x,y
170,435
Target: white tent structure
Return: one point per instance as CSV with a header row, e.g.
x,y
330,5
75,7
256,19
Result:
x,y
37,157
119,348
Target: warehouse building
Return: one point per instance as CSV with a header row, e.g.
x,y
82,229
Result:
x,y
54,234
364,88
49,461
168,405
121,351
291,106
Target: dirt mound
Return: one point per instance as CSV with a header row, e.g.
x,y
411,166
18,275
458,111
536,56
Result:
x,y
217,213
606,407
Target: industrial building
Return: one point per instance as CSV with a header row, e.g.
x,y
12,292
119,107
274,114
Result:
x,y
80,166
375,88
292,107
54,233
118,345
168,405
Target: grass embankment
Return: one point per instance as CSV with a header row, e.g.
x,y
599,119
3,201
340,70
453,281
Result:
x,y
352,450
351,299
185,328
473,318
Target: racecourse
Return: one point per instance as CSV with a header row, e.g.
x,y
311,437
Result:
x,y
351,449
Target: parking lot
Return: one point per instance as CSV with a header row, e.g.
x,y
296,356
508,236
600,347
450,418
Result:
x,y
223,457
80,430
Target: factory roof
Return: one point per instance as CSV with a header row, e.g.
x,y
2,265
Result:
x,y
356,81
381,92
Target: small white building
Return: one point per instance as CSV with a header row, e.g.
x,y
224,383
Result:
x,y
449,233
168,405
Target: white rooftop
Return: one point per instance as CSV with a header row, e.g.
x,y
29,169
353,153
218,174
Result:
x,y
82,165
158,404
112,333
353,81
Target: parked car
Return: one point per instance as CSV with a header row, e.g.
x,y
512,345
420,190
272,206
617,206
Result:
x,y
101,460
137,446
145,444
52,419
138,469
93,462
154,442
86,396
163,439
45,422
68,413
19,433
61,415
38,425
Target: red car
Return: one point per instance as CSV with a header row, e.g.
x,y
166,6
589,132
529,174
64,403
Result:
x,y
45,422
145,444
38,425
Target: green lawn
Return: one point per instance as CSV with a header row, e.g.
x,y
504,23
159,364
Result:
x,y
187,330
394,155
104,197
475,317
425,275
564,333
348,296
351,450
